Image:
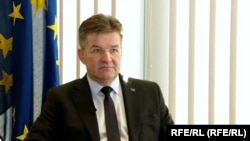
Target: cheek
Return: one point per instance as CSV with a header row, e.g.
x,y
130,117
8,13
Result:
x,y
91,61
118,60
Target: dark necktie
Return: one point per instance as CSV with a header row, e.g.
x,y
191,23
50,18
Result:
x,y
110,116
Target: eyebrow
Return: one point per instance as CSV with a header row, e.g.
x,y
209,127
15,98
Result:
x,y
96,46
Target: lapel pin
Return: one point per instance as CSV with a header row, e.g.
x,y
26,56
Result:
x,y
132,89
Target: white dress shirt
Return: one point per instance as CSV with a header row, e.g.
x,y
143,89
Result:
x,y
117,97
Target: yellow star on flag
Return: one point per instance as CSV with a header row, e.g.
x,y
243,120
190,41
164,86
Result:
x,y
25,132
5,44
38,4
57,62
54,28
16,14
7,81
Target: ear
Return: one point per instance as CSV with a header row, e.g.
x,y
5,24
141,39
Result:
x,y
81,55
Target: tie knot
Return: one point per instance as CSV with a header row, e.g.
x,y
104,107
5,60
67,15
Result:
x,y
106,90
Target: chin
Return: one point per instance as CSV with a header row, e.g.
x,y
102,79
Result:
x,y
108,76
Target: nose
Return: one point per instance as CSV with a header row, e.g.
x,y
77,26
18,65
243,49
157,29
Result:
x,y
106,55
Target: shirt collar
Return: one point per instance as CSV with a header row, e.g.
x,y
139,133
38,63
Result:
x,y
96,87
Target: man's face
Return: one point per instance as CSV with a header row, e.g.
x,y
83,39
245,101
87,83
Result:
x,y
102,56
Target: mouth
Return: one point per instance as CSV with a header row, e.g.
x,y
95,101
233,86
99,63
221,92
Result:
x,y
106,67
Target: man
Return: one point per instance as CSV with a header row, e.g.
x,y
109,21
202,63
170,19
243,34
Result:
x,y
76,111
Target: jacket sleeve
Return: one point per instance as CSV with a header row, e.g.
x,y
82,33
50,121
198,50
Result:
x,y
46,125
166,118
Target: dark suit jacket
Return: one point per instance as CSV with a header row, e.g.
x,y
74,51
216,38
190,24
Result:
x,y
68,113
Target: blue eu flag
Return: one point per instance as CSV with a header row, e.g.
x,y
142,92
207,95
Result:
x,y
28,62
6,73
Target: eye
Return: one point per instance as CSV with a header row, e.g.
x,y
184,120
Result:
x,y
96,50
114,50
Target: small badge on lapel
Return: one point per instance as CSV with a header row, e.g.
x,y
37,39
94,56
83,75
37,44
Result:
x,y
132,89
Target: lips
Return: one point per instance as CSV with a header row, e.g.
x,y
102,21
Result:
x,y
106,67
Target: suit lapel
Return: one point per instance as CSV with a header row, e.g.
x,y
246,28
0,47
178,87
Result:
x,y
85,106
132,107
82,99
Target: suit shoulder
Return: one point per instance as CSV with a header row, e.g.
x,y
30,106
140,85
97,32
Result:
x,y
73,82
69,84
141,81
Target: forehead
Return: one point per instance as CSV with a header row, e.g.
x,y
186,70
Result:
x,y
104,39
109,35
